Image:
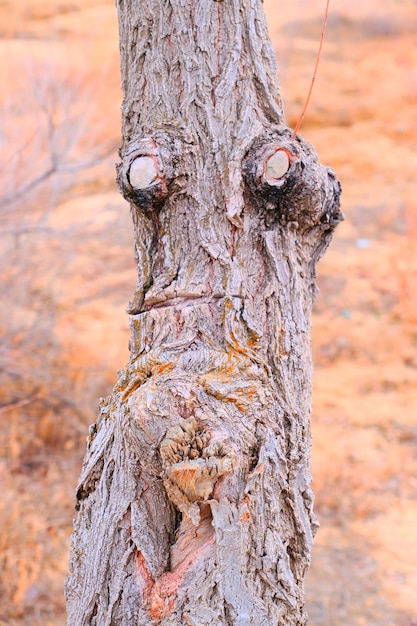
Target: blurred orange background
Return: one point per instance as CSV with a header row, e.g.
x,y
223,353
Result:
x,y
67,272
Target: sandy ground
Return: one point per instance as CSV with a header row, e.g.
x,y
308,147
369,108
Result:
x,y
363,122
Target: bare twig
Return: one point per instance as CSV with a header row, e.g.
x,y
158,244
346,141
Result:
x,y
18,403
18,194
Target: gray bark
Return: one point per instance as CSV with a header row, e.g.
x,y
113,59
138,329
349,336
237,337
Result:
x,y
195,505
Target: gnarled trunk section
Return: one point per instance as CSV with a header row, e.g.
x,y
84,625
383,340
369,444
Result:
x,y
195,500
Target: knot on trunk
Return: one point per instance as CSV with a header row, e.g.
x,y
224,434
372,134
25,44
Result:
x,y
289,185
192,466
145,174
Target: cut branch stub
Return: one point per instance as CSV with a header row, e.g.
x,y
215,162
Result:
x,y
271,163
288,184
276,166
143,172
144,175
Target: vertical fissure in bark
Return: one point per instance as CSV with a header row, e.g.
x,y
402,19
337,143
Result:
x,y
195,505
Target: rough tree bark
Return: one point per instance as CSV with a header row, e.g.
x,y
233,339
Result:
x,y
195,505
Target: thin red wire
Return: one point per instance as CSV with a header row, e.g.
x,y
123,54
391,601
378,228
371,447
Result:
x,y
303,112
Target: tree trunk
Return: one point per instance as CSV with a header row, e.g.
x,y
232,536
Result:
x,y
195,500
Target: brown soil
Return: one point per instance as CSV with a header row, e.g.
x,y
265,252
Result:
x,y
362,121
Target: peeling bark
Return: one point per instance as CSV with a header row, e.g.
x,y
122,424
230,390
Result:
x,y
195,505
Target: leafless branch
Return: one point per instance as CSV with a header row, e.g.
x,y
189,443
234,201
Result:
x,y
18,403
